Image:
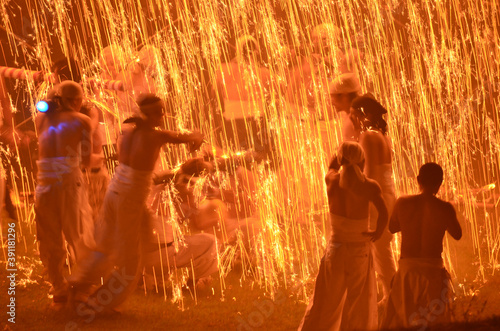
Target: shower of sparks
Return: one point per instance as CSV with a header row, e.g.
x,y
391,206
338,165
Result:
x,y
433,64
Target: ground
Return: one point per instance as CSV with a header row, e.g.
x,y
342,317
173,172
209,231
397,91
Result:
x,y
239,305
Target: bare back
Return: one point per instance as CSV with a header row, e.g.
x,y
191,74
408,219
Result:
x,y
351,203
378,149
139,148
423,220
62,134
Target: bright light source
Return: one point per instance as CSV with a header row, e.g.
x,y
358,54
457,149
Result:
x,y
42,106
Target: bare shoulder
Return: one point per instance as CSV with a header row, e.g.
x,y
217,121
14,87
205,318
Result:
x,y
84,119
370,138
446,207
127,129
332,177
407,198
372,186
370,134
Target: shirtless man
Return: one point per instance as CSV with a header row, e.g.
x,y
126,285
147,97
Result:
x,y
97,177
242,88
421,290
61,204
124,230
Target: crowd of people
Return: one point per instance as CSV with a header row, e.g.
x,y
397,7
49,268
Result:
x,y
110,226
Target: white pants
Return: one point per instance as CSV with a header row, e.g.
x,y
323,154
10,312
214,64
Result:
x,y
97,182
198,251
345,295
421,295
62,213
382,253
122,234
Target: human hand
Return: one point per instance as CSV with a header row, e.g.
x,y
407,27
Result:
x,y
374,235
334,163
197,139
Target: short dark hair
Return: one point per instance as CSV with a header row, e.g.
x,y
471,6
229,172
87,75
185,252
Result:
x,y
430,175
147,99
67,69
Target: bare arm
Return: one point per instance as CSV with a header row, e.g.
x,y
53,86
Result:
x,y
38,122
368,142
375,196
176,137
454,228
86,144
394,225
329,176
383,215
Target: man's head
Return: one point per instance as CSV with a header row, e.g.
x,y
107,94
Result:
x,y
113,60
67,69
343,90
71,95
430,177
247,48
324,37
152,107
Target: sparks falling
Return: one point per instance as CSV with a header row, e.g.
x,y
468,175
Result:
x,y
433,64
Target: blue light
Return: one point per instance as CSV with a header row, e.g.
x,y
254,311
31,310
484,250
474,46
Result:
x,y
42,106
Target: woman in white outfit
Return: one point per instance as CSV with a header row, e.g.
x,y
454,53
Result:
x,y
371,132
345,292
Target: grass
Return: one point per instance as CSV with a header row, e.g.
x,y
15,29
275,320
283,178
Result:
x,y
240,305
242,308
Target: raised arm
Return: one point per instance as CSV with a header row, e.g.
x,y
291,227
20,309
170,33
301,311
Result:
x,y
175,137
454,228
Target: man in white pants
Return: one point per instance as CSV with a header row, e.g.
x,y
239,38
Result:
x,y
61,205
124,229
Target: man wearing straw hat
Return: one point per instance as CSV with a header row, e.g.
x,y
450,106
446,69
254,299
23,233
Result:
x,y
61,205
124,229
343,90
